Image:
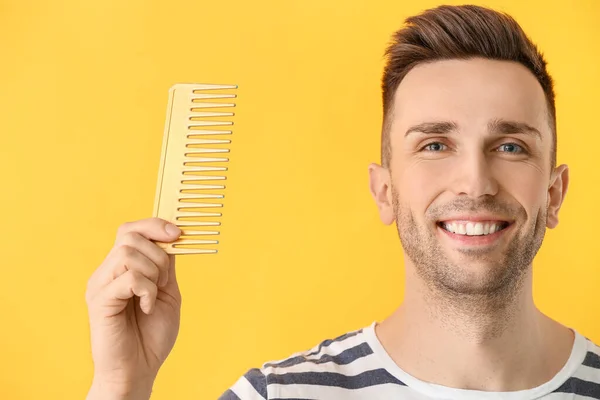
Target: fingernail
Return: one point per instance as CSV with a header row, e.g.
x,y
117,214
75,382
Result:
x,y
172,230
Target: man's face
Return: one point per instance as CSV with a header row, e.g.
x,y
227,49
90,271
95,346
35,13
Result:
x,y
470,184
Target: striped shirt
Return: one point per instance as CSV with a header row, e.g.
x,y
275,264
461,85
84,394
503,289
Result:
x,y
355,366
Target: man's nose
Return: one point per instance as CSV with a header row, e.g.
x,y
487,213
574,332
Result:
x,y
474,176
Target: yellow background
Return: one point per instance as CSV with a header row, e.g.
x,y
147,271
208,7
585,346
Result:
x,y
304,256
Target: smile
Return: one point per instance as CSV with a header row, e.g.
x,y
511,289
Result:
x,y
473,228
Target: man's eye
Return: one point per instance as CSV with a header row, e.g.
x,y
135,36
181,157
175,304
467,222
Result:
x,y
511,148
435,146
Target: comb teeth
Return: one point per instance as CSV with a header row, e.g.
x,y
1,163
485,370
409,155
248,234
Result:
x,y
197,124
208,132
196,87
203,114
187,232
207,141
202,178
189,186
210,105
192,204
198,96
197,214
204,151
195,224
203,169
200,196
206,159
188,120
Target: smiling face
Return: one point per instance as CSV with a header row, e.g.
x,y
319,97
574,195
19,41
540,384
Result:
x,y
470,183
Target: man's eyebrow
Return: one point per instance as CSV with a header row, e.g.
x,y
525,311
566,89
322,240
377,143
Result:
x,y
497,126
436,127
502,126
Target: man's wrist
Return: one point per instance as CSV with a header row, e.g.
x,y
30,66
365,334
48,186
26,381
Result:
x,y
106,390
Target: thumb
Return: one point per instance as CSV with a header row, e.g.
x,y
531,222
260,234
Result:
x,y
156,229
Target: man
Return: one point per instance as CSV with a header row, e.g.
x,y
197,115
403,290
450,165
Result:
x,y
469,176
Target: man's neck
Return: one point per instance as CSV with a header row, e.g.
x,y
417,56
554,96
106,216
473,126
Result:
x,y
509,348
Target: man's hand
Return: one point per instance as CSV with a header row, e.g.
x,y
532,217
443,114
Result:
x,y
134,308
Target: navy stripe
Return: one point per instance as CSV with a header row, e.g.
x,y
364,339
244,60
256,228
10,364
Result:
x,y
368,378
327,342
580,387
592,360
258,381
345,357
229,395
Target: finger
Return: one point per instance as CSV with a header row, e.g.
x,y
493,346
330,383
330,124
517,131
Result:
x,y
172,282
156,229
130,284
172,273
150,228
151,250
125,258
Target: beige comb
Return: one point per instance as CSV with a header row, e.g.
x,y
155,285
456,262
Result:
x,y
178,181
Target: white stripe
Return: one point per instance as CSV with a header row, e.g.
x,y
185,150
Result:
x,y
593,347
245,391
333,349
379,392
337,347
359,365
588,374
569,396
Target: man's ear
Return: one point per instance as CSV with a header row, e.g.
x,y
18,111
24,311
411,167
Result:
x,y
381,190
557,191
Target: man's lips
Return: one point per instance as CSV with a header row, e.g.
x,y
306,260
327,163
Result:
x,y
474,232
473,227
475,217
474,224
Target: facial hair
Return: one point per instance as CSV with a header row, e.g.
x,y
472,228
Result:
x,y
489,288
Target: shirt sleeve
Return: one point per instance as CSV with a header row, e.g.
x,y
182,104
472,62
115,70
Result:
x,y
251,386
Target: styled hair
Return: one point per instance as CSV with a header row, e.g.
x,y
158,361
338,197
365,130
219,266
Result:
x,y
459,32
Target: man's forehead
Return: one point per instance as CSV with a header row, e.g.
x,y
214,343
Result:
x,y
471,91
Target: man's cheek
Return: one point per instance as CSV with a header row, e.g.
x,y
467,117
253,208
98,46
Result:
x,y
423,189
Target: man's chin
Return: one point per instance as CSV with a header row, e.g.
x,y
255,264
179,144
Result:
x,y
472,275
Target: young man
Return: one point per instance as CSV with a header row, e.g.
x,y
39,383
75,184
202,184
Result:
x,y
469,176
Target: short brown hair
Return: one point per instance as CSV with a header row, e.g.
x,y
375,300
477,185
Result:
x,y
459,32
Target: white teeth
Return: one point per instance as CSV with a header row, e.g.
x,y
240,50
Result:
x,y
478,229
486,229
472,229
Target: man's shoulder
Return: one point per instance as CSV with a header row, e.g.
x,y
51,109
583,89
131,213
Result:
x,y
333,363
581,374
329,354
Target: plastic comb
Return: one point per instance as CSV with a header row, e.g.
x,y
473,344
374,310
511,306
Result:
x,y
192,114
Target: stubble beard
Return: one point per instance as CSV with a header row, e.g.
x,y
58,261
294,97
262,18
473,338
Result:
x,y
486,290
